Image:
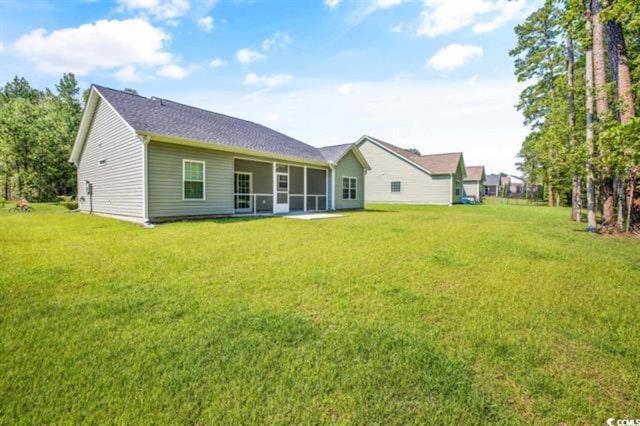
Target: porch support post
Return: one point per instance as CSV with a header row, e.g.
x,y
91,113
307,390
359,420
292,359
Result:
x,y
326,190
275,188
305,188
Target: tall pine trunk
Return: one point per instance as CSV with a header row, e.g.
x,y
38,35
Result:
x,y
602,107
619,63
591,194
576,198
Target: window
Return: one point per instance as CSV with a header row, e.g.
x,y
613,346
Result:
x,y
457,188
349,188
283,183
396,186
193,180
102,162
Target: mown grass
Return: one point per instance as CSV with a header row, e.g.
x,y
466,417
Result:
x,y
402,314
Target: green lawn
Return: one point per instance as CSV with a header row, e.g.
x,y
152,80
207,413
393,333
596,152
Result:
x,y
493,313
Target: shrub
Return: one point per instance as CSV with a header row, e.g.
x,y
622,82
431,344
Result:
x,y
68,201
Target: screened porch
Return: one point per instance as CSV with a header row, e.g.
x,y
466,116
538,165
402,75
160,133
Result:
x,y
264,187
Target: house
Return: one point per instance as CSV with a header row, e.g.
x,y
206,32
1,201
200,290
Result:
x,y
493,185
516,185
151,159
474,182
401,176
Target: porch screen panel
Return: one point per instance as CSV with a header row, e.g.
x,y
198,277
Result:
x,y
316,181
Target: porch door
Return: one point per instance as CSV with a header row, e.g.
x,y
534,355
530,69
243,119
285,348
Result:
x,y
242,190
281,204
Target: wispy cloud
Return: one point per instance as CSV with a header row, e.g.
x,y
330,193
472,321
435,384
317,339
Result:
x,y
174,72
268,81
247,56
217,63
157,9
206,23
445,16
277,41
454,56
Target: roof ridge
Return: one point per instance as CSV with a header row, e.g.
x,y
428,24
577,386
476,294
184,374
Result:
x,y
333,146
119,91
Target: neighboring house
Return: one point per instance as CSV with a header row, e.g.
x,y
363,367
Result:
x,y
493,185
516,185
151,159
401,176
474,182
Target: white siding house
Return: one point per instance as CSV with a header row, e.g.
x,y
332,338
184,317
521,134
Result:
x,y
399,176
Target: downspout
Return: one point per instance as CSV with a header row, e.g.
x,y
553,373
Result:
x,y
145,180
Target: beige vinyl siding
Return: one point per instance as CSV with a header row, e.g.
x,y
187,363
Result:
x,y
164,165
349,166
417,187
118,184
471,188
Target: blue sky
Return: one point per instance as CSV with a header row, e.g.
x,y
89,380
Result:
x,y
429,74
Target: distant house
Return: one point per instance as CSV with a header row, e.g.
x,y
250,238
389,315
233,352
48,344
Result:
x,y
493,184
401,176
152,159
516,185
474,182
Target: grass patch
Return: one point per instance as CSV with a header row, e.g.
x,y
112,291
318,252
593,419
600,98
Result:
x,y
404,314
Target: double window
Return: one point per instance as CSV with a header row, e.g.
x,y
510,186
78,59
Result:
x,y
349,188
396,186
193,180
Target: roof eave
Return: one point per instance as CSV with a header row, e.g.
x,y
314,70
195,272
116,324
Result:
x,y
226,148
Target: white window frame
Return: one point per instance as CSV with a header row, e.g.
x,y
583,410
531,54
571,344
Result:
x,y
102,162
355,179
399,182
204,179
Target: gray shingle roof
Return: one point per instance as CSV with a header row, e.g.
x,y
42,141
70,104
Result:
x,y
169,118
332,153
474,172
492,180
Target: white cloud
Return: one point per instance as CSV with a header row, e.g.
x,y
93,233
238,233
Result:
x,y
425,114
332,3
268,81
446,16
511,11
173,71
206,23
128,74
346,89
247,56
454,56
278,40
158,9
103,45
217,63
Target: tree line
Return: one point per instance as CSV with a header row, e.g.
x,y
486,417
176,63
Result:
x,y
37,131
581,62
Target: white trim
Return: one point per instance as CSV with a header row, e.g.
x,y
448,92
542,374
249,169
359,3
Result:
x,y
304,183
342,188
333,190
450,189
353,148
402,157
204,180
250,194
145,179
